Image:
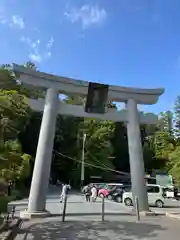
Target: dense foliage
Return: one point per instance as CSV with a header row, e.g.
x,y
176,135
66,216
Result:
x,y
106,148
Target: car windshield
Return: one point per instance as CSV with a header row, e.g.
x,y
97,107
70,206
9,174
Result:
x,y
127,189
100,185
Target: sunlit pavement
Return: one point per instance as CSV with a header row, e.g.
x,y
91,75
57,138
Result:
x,y
76,205
123,228
170,206
83,221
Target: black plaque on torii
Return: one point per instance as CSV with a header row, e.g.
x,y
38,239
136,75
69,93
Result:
x,y
96,98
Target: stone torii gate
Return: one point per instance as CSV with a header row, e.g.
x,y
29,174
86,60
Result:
x,y
52,106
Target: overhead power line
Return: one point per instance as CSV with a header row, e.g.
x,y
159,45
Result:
x,y
91,165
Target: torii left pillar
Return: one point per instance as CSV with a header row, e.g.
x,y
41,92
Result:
x,y
40,179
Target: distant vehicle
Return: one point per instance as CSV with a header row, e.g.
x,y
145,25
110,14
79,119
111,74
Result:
x,y
116,193
104,192
155,196
98,185
115,184
169,192
177,193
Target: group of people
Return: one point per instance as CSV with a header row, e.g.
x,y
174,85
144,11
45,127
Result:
x,y
90,192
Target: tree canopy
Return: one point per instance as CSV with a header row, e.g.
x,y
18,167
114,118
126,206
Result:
x,y
106,145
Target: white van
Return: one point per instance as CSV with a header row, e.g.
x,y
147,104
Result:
x,y
169,191
155,196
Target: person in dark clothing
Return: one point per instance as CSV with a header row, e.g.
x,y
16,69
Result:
x,y
176,194
88,199
86,191
9,188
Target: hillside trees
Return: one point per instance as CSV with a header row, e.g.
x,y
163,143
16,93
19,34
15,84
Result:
x,y
106,145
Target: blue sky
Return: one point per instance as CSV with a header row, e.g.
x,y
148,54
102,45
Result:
x,y
121,42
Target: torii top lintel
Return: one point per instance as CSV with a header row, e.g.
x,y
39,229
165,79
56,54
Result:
x,y
78,87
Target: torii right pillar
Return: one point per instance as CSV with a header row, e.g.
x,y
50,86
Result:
x,y
136,156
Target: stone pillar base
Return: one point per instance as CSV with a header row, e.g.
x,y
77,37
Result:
x,y
29,215
147,213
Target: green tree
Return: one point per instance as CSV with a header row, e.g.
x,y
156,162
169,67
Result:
x,y
98,147
174,164
65,144
166,122
14,114
16,164
9,81
106,143
177,117
163,144
120,146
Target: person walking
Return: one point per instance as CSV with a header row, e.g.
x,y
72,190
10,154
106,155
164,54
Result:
x,y
64,192
9,188
93,193
87,192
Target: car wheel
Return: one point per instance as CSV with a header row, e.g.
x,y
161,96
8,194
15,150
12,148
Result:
x,y
119,199
159,204
128,202
101,195
109,197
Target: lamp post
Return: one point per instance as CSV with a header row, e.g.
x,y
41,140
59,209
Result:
x,y
82,160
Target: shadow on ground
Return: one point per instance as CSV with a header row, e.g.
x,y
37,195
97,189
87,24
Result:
x,y
93,230
93,214
171,206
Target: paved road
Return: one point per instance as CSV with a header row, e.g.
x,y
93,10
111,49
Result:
x,y
77,205
119,223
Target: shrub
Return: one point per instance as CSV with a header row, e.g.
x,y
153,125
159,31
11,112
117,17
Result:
x,y
3,204
3,186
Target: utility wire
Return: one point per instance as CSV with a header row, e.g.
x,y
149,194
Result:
x,y
104,164
107,168
89,164
110,169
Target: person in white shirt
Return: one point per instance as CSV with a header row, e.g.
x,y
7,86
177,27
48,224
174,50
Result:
x,y
93,193
65,190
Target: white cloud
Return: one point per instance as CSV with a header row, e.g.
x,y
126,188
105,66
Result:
x,y
50,43
35,57
13,21
49,54
17,21
36,52
87,15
